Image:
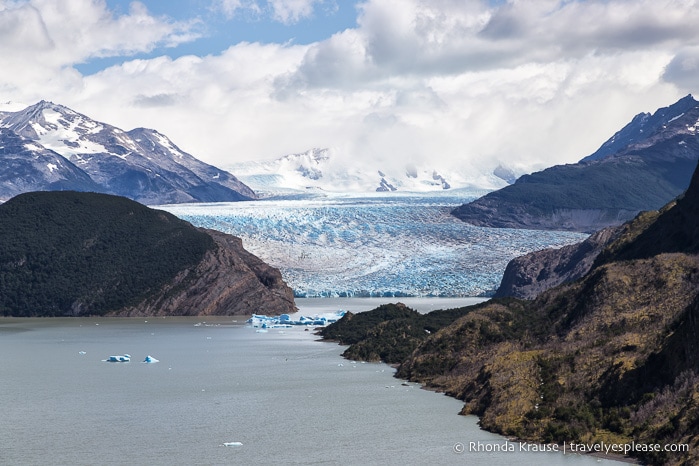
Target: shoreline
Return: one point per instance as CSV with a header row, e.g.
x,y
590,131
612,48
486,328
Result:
x,y
601,455
354,305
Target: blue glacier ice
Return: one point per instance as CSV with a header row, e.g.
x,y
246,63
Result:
x,y
285,321
119,358
381,246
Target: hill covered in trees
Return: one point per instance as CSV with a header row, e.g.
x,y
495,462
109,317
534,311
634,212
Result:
x,y
71,253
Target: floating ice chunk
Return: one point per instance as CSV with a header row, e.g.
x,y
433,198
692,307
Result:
x,y
285,320
150,359
119,358
232,444
82,353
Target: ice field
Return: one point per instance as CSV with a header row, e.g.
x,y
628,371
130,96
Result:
x,y
397,245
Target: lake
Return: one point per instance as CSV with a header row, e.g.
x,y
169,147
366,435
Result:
x,y
280,397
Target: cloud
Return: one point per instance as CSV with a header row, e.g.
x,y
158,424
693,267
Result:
x,y
283,11
76,30
683,70
41,40
478,83
156,100
460,85
424,38
217,107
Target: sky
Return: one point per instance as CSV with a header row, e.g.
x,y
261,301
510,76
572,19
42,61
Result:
x,y
468,83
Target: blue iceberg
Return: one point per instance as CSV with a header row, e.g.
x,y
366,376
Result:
x,y
285,320
119,358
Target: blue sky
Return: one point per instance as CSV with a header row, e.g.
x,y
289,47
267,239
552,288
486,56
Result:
x,y
219,31
452,85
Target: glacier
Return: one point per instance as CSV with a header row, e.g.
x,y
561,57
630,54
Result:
x,y
395,245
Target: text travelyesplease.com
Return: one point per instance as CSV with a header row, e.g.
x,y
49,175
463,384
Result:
x,y
569,447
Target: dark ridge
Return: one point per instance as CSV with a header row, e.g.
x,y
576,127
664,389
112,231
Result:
x,y
71,253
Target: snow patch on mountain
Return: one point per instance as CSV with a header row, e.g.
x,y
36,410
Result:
x,y
140,164
635,134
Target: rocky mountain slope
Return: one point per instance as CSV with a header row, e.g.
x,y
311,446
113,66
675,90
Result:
x,y
529,275
51,147
227,281
76,254
642,167
611,357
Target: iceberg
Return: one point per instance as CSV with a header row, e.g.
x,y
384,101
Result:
x,y
119,358
150,359
285,321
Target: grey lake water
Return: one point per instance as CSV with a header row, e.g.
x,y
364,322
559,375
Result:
x,y
280,397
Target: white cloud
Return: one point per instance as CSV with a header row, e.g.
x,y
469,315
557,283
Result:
x,y
423,38
283,11
40,41
683,70
291,11
75,30
454,83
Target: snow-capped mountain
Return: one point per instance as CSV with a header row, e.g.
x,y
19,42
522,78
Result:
x,y
643,166
51,147
646,129
320,170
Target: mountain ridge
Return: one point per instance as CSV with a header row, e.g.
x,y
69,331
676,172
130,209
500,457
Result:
x,y
606,188
643,123
141,164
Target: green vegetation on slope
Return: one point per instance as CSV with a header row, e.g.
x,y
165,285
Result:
x,y
631,185
70,253
612,357
388,333
615,187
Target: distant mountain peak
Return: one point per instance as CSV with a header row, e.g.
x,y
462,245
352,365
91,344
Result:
x,y
141,164
319,171
316,155
642,167
643,126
